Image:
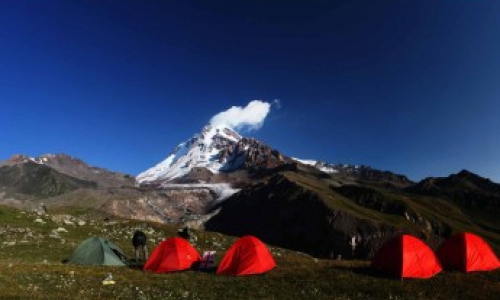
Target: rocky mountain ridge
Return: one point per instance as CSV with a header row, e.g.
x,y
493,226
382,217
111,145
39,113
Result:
x,y
74,167
38,180
218,151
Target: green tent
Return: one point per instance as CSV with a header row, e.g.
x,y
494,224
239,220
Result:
x,y
97,251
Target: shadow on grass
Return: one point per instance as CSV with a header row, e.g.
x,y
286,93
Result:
x,y
211,270
370,272
135,264
139,265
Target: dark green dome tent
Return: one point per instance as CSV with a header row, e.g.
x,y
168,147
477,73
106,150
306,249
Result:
x,y
97,251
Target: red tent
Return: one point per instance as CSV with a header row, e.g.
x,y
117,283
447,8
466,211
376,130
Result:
x,y
467,252
248,255
173,254
406,256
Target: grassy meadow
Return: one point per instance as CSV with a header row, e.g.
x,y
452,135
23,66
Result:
x,y
31,253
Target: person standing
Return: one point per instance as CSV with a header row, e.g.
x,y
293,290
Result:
x,y
139,241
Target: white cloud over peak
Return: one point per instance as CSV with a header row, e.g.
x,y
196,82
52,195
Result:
x,y
249,117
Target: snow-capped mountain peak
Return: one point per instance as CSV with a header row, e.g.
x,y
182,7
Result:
x,y
218,151
202,150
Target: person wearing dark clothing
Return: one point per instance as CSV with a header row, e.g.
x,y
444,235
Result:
x,y
184,233
139,241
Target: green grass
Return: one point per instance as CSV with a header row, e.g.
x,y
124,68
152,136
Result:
x,y
32,269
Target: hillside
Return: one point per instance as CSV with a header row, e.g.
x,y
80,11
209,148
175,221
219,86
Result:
x,y
321,216
38,180
27,183
477,197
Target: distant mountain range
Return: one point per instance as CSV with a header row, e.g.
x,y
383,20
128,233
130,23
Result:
x,y
218,154
39,180
73,167
222,181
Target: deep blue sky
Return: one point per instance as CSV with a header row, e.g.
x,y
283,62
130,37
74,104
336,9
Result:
x,y
407,86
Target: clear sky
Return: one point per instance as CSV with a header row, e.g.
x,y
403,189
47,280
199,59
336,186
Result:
x,y
407,86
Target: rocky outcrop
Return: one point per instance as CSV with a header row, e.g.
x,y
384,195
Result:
x,y
175,203
251,154
166,206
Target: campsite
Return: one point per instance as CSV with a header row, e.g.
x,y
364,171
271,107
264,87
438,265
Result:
x,y
31,256
249,149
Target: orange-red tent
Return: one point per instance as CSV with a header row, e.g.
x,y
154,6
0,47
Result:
x,y
248,255
467,252
406,256
173,254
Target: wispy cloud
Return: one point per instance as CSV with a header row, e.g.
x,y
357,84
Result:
x,y
277,103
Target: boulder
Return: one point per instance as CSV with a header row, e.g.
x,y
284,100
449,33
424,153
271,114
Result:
x,y
40,221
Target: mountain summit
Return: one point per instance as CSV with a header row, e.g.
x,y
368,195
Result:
x,y
216,149
202,150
